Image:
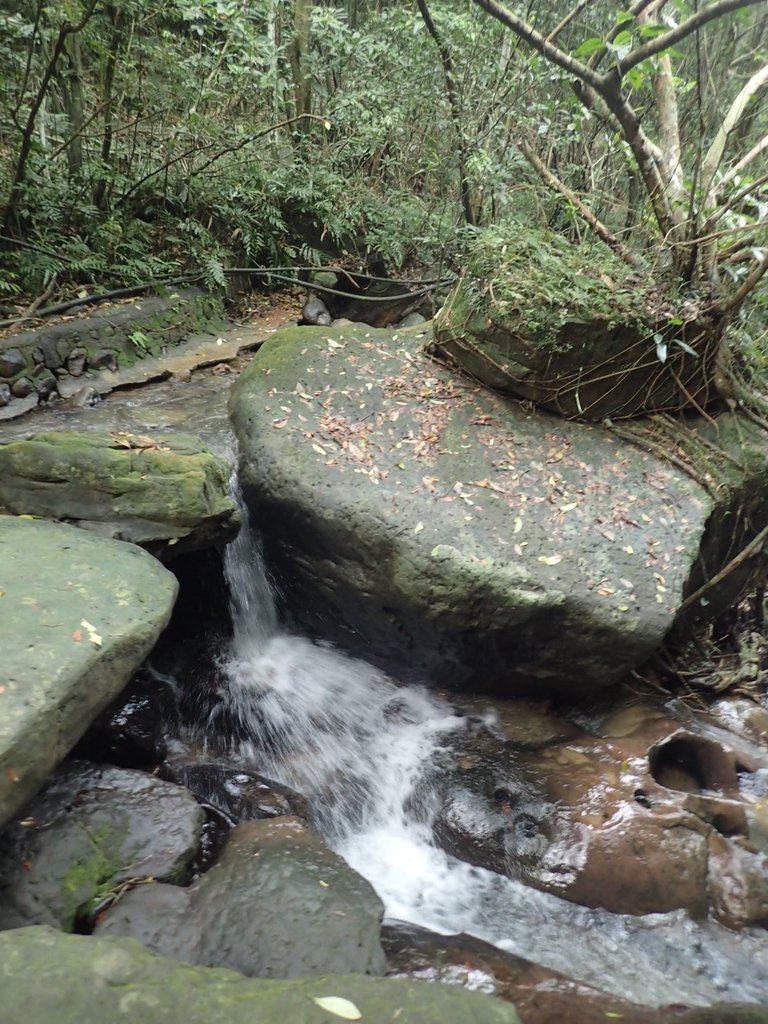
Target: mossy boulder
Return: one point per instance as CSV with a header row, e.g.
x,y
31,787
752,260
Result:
x,y
51,978
167,494
453,535
78,614
93,831
277,904
575,330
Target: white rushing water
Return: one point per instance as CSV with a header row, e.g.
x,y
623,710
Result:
x,y
360,747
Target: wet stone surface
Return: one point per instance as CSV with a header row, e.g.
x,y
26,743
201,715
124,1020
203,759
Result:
x,y
638,815
277,904
92,832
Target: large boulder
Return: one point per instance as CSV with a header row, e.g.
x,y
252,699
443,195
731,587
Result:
x,y
277,904
452,534
51,978
92,832
167,494
78,613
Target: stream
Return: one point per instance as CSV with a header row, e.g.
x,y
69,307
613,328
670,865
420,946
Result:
x,y
363,749
360,748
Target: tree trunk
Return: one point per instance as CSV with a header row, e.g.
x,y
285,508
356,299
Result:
x,y
299,54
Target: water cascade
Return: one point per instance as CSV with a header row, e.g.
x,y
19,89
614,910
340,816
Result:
x,y
360,747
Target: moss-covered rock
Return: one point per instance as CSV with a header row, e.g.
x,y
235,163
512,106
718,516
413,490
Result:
x,y
169,495
92,831
78,614
573,329
51,978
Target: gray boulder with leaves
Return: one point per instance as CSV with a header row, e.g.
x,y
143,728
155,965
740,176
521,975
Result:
x,y
453,535
168,494
78,614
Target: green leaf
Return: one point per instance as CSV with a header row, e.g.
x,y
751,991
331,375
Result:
x,y
588,47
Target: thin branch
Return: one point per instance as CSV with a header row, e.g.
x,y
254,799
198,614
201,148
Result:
x,y
539,43
751,549
573,13
748,284
756,150
736,199
629,257
682,31
452,91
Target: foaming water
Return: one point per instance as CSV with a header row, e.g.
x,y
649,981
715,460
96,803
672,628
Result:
x,y
360,748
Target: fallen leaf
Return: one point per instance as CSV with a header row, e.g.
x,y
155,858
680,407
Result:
x,y
325,885
93,636
569,507
77,635
418,527
518,525
338,1007
550,559
319,450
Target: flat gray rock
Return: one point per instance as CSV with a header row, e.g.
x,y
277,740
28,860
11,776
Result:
x,y
50,978
450,533
78,614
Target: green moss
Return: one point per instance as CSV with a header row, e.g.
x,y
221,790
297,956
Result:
x,y
537,282
90,878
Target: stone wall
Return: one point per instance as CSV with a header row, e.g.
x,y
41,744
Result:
x,y
110,337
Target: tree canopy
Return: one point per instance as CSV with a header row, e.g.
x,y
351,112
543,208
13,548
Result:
x,y
141,140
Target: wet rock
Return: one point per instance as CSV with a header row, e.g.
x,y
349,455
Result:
x,y
446,532
644,817
278,903
77,361
540,995
130,733
92,831
82,398
22,387
92,980
11,362
104,359
743,717
240,795
168,495
45,381
5,395
413,320
70,638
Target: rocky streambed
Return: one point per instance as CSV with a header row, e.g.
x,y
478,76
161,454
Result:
x,y
609,844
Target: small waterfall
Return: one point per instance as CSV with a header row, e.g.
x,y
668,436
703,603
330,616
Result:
x,y
359,747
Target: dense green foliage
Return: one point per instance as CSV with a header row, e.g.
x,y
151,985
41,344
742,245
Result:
x,y
140,139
